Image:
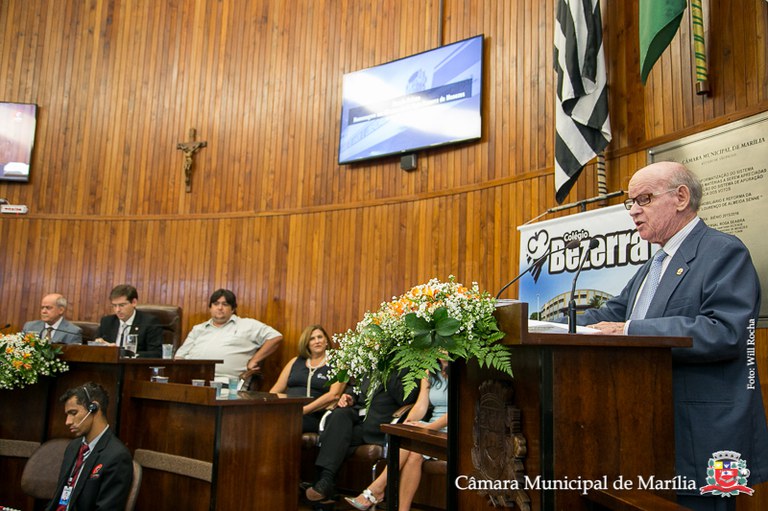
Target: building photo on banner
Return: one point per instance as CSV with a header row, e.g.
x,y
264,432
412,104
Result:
x,y
610,264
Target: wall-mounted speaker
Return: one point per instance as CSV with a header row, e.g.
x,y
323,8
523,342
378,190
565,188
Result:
x,y
408,162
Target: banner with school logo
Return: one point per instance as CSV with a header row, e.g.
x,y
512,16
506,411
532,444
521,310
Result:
x,y
619,253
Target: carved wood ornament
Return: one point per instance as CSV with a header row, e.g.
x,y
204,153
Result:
x,y
499,446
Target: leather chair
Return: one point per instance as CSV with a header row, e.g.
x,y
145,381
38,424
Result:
x,y
135,486
89,329
252,380
169,318
41,472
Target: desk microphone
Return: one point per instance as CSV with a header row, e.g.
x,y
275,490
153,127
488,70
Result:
x,y
568,246
81,333
8,325
593,243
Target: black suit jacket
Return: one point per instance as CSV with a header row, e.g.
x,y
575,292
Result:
x,y
384,403
106,477
144,325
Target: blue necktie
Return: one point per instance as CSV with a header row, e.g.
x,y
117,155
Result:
x,y
649,289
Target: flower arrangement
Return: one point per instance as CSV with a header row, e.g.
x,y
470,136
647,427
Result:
x,y
430,321
24,357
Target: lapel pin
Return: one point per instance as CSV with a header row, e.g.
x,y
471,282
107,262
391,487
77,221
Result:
x,y
679,271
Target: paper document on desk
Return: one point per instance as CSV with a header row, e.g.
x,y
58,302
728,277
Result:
x,y
547,327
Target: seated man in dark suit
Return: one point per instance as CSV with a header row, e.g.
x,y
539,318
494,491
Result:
x,y
114,329
52,325
97,470
350,425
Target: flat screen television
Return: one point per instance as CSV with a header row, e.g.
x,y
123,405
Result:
x,y
17,137
425,100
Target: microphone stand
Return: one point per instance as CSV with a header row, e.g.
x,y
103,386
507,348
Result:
x,y
568,246
537,261
572,303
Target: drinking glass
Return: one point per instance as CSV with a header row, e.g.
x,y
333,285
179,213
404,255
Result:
x,y
131,343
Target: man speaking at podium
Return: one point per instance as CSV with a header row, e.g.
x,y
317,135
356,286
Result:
x,y
700,284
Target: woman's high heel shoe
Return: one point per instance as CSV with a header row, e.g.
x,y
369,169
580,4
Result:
x,y
368,496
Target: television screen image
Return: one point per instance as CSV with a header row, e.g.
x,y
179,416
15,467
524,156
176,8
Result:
x,y
17,137
424,100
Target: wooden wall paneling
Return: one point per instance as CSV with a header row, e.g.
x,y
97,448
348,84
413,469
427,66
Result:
x,y
758,72
525,42
237,71
305,109
730,61
680,76
317,296
540,72
120,84
688,97
745,42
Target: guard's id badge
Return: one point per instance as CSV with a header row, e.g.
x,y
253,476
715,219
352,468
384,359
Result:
x,y
66,493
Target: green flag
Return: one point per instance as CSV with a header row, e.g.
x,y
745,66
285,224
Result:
x,y
659,21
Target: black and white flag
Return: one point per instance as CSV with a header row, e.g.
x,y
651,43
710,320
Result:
x,y
582,126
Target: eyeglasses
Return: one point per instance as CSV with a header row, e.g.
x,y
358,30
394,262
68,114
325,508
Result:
x,y
120,305
645,198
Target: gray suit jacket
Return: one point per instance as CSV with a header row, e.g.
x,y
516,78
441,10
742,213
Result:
x,y
67,333
710,292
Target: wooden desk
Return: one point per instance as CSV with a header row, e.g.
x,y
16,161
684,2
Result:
x,y
103,365
411,438
34,414
202,453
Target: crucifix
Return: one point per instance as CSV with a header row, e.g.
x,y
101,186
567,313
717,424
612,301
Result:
x,y
189,149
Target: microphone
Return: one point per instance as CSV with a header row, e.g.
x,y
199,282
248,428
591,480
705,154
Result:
x,y
593,243
568,246
81,333
8,325
83,419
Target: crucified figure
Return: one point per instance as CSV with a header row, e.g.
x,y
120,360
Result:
x,y
189,149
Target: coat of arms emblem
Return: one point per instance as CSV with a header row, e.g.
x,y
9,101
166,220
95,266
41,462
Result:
x,y
727,475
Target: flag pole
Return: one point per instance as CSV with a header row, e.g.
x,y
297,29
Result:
x,y
582,204
699,33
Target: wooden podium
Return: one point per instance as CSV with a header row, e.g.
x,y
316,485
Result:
x,y
203,453
581,410
34,414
